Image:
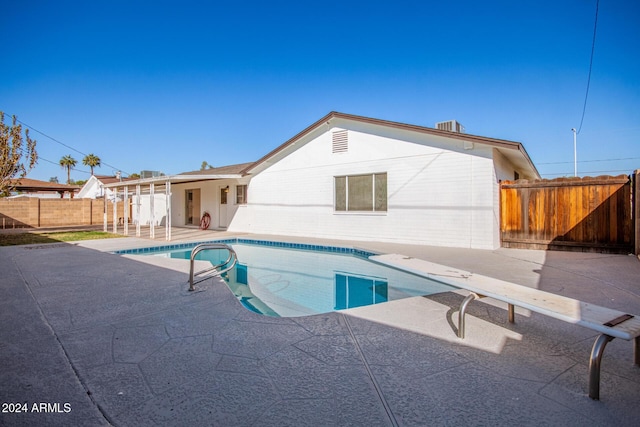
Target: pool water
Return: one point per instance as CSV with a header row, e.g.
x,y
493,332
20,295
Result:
x,y
290,282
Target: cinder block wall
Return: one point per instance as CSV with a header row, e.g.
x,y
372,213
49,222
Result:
x,y
54,212
18,213
34,212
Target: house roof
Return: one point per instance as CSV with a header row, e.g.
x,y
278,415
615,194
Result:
x,y
514,151
33,185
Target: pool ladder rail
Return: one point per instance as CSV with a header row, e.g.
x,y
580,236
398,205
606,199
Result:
x,y
213,270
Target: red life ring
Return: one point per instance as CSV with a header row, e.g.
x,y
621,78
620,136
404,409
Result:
x,y
205,221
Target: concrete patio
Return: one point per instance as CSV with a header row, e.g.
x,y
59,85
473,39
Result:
x,y
121,341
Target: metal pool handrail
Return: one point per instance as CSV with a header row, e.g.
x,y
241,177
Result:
x,y
233,258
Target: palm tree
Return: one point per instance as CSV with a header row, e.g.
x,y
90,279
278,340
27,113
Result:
x,y
68,162
92,161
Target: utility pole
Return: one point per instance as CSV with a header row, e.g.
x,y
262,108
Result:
x,y
575,153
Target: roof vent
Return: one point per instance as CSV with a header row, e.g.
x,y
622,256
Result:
x,y
450,126
340,141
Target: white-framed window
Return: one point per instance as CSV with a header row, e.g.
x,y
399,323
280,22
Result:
x,y
241,194
361,193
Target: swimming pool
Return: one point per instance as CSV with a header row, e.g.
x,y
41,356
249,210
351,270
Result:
x,y
292,279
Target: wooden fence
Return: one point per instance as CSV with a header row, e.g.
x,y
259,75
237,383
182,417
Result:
x,y
584,214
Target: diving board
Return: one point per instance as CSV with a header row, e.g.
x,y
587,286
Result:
x,y
608,322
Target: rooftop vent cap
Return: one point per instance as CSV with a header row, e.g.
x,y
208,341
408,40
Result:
x,y
450,126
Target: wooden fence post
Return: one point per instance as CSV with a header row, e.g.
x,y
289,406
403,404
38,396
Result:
x,y
636,209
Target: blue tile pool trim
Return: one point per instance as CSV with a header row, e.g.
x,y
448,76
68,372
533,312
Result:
x,y
360,253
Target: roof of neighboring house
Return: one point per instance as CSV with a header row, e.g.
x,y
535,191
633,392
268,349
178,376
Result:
x,y
33,185
514,151
92,187
222,170
106,179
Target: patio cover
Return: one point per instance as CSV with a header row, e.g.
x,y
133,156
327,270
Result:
x,y
148,186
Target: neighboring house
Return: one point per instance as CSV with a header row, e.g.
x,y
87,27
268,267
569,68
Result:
x,y
27,187
356,178
94,188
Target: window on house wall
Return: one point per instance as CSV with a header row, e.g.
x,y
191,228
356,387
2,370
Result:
x,y
241,194
361,193
516,175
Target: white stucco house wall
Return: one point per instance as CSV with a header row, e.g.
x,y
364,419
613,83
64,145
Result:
x,y
214,191
442,187
356,178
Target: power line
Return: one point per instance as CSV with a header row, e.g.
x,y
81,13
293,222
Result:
x,y
593,46
23,150
590,161
65,145
58,164
587,172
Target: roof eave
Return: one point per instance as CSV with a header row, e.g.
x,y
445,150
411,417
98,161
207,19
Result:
x,y
251,168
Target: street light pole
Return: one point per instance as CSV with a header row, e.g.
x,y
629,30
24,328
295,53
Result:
x,y
575,153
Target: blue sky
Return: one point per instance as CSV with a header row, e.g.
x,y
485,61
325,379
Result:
x,y
167,85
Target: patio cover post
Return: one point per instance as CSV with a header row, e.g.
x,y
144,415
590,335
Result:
x,y
105,225
167,194
126,211
115,210
137,210
152,225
